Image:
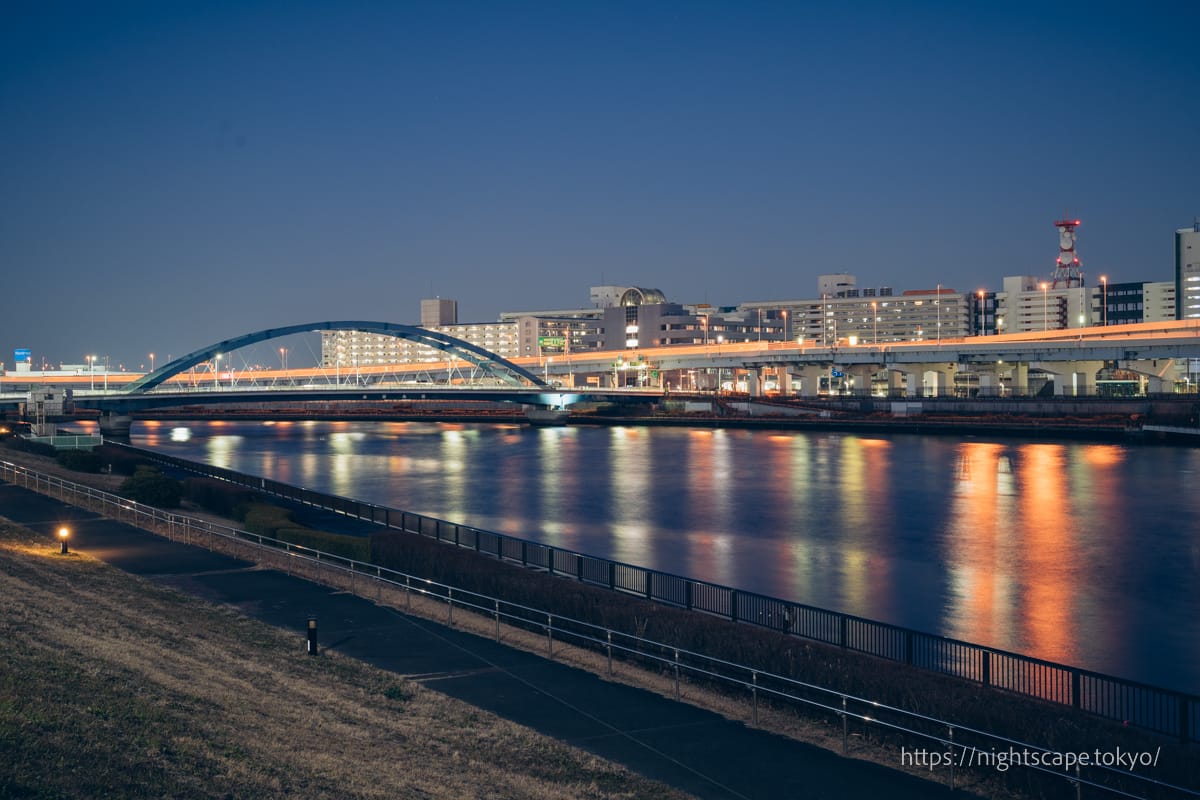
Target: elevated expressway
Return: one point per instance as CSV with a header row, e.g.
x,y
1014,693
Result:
x,y
921,368
1072,356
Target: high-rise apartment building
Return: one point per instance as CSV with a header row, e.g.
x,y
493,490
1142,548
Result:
x,y
1187,272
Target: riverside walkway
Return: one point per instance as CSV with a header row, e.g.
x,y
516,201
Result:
x,y
692,749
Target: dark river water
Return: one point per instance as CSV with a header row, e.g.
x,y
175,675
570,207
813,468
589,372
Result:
x,y
1086,554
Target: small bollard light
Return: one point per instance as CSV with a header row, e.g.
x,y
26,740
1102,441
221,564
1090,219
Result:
x,y
312,636
63,534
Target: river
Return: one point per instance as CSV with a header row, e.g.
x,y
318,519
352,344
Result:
x,y
1085,554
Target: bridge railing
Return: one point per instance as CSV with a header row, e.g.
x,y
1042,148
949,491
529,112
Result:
x,y
1161,710
973,751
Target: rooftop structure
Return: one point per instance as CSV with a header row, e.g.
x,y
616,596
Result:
x,y
1068,271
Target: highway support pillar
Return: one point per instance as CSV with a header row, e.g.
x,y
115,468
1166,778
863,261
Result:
x,y
114,425
810,379
784,378
863,375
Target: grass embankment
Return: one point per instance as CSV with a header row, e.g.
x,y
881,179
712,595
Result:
x,y
114,687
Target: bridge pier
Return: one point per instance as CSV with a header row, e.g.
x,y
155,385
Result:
x,y
1078,381
810,378
1155,372
862,376
785,382
939,380
989,383
913,378
1020,378
114,425
755,382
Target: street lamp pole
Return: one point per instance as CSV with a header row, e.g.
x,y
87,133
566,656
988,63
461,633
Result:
x,y
1045,307
720,339
824,321
92,370
1104,298
938,303
785,327
875,319
982,315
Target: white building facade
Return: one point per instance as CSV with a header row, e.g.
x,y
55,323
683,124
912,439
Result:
x,y
1187,272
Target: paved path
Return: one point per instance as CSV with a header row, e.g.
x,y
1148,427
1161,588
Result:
x,y
694,750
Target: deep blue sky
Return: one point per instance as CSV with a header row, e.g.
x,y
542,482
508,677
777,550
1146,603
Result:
x,y
175,173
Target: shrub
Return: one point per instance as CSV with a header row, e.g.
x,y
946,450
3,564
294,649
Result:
x,y
218,497
149,486
122,461
275,522
338,544
80,460
265,519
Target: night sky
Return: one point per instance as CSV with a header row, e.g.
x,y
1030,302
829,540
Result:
x,y
173,174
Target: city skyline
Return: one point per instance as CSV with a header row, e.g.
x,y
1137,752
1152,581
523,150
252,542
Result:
x,y
178,174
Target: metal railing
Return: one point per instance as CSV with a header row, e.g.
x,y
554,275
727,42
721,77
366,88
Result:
x,y
959,749
1165,711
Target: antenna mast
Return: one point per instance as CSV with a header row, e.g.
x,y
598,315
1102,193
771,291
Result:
x,y
1067,270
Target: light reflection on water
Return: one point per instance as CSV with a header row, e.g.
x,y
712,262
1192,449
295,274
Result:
x,y
1083,553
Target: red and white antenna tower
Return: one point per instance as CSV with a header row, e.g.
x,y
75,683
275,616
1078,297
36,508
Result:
x,y
1067,270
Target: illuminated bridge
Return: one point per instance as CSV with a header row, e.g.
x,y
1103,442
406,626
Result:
x,y
1067,360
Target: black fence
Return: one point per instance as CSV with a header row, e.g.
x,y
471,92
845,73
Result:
x,y
1154,708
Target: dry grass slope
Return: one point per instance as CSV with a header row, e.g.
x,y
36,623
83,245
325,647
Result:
x,y
114,687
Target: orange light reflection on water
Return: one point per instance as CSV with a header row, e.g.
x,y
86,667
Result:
x,y
980,584
862,471
1048,552
708,504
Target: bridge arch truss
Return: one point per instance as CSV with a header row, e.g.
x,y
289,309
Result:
x,y
500,368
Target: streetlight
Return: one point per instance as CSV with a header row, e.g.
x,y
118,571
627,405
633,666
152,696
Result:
x,y
720,339
92,370
982,315
283,358
1045,307
824,320
875,319
567,354
217,371
152,362
938,302
63,534
785,327
1104,298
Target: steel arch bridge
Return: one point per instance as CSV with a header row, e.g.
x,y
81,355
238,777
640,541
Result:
x,y
486,360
